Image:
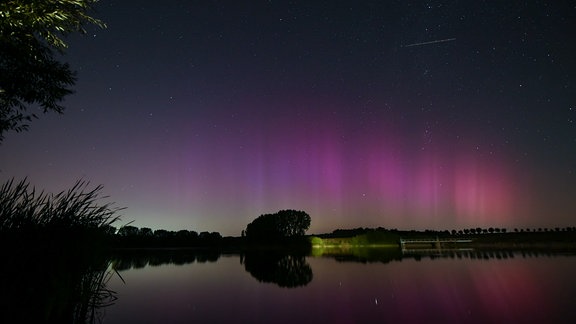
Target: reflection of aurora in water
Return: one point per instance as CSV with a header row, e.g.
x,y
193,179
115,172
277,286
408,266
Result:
x,y
57,288
282,268
464,287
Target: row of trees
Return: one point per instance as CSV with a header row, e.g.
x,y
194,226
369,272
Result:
x,y
493,230
360,231
283,226
133,236
479,230
341,233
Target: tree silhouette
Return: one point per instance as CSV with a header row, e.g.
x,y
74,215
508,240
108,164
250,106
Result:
x,y
283,224
128,230
108,229
30,32
145,232
209,236
162,234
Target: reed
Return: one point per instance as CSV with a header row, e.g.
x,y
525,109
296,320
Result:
x,y
24,208
92,294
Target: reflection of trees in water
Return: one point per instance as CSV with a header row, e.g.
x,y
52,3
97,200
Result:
x,y
53,286
365,255
68,286
485,254
285,270
375,255
141,258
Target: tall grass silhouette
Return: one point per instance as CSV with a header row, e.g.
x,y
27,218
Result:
x,y
24,208
56,247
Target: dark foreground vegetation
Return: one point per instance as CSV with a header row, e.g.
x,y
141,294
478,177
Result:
x,y
54,261
48,285
34,219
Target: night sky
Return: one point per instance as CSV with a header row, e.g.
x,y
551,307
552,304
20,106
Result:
x,y
203,115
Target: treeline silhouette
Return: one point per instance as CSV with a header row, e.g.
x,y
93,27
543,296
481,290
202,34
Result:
x,y
479,235
497,238
132,236
286,228
495,230
446,233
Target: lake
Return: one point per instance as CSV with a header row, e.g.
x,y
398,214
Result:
x,y
359,287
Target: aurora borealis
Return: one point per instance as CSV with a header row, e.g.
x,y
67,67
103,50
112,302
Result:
x,y
203,115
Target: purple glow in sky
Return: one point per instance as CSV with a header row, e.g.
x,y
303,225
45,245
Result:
x,y
204,116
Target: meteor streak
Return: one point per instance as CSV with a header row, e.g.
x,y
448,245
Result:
x,y
430,42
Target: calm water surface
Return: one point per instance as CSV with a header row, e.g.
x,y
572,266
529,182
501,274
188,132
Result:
x,y
232,288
